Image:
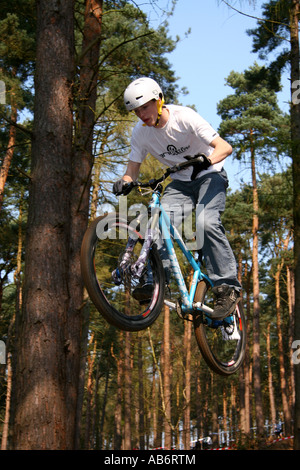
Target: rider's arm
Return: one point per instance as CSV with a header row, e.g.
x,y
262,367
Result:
x,y
132,171
221,150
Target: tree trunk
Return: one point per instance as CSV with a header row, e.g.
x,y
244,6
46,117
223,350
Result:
x,y
9,151
233,412
282,368
214,411
13,331
96,181
187,411
89,394
141,422
41,401
118,405
104,403
244,371
225,411
82,370
199,402
127,393
295,137
256,307
82,163
5,429
291,304
270,380
166,381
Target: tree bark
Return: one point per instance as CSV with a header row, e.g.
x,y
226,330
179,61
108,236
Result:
x,y
187,385
82,163
127,393
141,422
5,429
256,307
282,368
41,406
118,405
166,380
291,304
270,380
9,151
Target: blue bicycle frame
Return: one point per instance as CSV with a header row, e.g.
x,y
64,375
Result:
x,y
168,231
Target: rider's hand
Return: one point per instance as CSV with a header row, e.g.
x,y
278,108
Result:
x,y
200,166
121,187
206,162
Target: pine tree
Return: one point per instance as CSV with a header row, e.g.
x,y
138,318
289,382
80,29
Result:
x,y
40,377
276,228
250,122
279,28
17,58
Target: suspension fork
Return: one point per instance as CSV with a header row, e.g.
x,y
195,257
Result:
x,y
153,211
117,274
137,268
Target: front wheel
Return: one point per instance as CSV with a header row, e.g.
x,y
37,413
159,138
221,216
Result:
x,y
222,343
109,248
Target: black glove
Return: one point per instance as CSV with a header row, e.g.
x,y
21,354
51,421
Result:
x,y
199,165
122,187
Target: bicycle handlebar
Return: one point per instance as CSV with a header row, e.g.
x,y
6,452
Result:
x,y
191,160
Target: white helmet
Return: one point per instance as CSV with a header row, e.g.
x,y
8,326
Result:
x,y
141,91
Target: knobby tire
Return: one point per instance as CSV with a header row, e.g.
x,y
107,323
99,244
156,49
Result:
x,y
224,358
100,255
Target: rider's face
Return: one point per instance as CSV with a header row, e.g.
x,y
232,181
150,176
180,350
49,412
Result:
x,y
147,113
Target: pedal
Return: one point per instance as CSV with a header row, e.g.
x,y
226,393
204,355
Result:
x,y
183,315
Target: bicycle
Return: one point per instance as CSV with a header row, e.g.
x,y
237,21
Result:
x,y
117,252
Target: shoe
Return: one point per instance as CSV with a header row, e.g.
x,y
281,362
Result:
x,y
143,292
226,300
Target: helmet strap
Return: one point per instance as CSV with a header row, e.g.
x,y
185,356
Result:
x,y
159,110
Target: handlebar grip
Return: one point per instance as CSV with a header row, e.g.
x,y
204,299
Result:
x,y
191,160
127,187
199,158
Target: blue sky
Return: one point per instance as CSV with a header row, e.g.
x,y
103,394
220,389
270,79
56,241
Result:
x,y
218,43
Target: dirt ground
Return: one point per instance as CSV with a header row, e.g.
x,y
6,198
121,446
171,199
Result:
x,y
272,444
286,444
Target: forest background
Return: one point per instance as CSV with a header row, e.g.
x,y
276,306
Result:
x,y
68,380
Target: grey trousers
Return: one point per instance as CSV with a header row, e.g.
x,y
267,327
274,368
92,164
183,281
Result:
x,y
207,196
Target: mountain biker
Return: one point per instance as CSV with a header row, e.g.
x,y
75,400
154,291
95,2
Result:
x,y
170,133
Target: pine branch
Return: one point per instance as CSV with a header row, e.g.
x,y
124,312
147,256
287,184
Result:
x,y
18,126
255,17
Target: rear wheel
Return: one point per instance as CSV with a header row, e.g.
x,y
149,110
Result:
x,y
222,343
110,283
